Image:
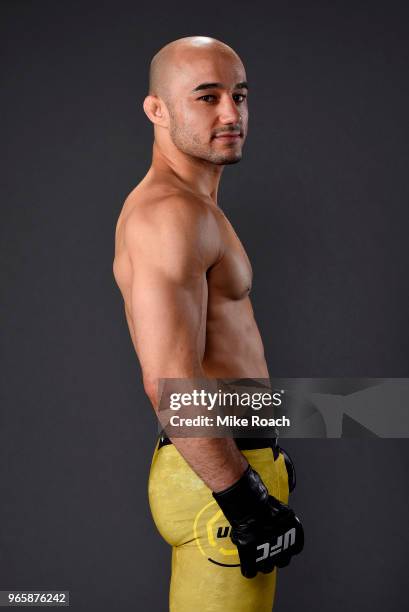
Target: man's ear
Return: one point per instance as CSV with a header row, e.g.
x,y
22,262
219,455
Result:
x,y
156,110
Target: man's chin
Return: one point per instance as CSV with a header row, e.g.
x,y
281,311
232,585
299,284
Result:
x,y
228,160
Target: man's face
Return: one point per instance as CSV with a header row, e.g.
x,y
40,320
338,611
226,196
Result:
x,y
208,107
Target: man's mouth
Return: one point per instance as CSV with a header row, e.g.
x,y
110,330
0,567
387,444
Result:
x,y
229,135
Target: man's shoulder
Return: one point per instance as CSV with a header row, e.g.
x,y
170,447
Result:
x,y
171,222
170,206
177,212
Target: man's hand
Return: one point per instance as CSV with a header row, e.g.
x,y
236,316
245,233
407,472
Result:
x,y
266,532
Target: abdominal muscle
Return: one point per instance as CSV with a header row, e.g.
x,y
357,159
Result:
x,y
234,348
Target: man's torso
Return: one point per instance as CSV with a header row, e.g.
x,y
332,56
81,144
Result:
x,y
230,342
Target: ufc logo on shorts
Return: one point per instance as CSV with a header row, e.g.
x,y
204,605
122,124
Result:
x,y
270,550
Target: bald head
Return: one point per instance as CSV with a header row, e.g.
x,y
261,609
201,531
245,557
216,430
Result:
x,y
169,62
198,93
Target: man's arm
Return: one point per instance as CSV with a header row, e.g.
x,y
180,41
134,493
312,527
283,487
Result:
x,y
171,245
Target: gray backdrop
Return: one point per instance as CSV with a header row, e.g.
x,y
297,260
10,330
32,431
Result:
x,y
320,201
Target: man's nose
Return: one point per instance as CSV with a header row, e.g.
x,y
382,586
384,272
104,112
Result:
x,y
228,111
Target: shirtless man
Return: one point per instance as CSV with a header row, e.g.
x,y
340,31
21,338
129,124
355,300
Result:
x,y
185,280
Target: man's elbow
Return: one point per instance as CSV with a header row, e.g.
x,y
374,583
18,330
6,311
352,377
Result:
x,y
151,389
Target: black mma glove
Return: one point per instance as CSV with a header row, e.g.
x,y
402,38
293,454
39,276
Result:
x,y
292,480
266,532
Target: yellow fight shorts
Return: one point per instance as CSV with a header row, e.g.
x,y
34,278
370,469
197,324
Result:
x,y
206,574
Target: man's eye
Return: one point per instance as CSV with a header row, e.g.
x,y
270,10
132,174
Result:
x,y
208,98
239,97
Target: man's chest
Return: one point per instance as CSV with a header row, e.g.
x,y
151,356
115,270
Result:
x,y
232,276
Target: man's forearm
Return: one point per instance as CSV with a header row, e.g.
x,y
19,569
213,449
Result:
x,y
217,461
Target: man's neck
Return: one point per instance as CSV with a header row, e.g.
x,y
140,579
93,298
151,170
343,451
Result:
x,y
197,175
